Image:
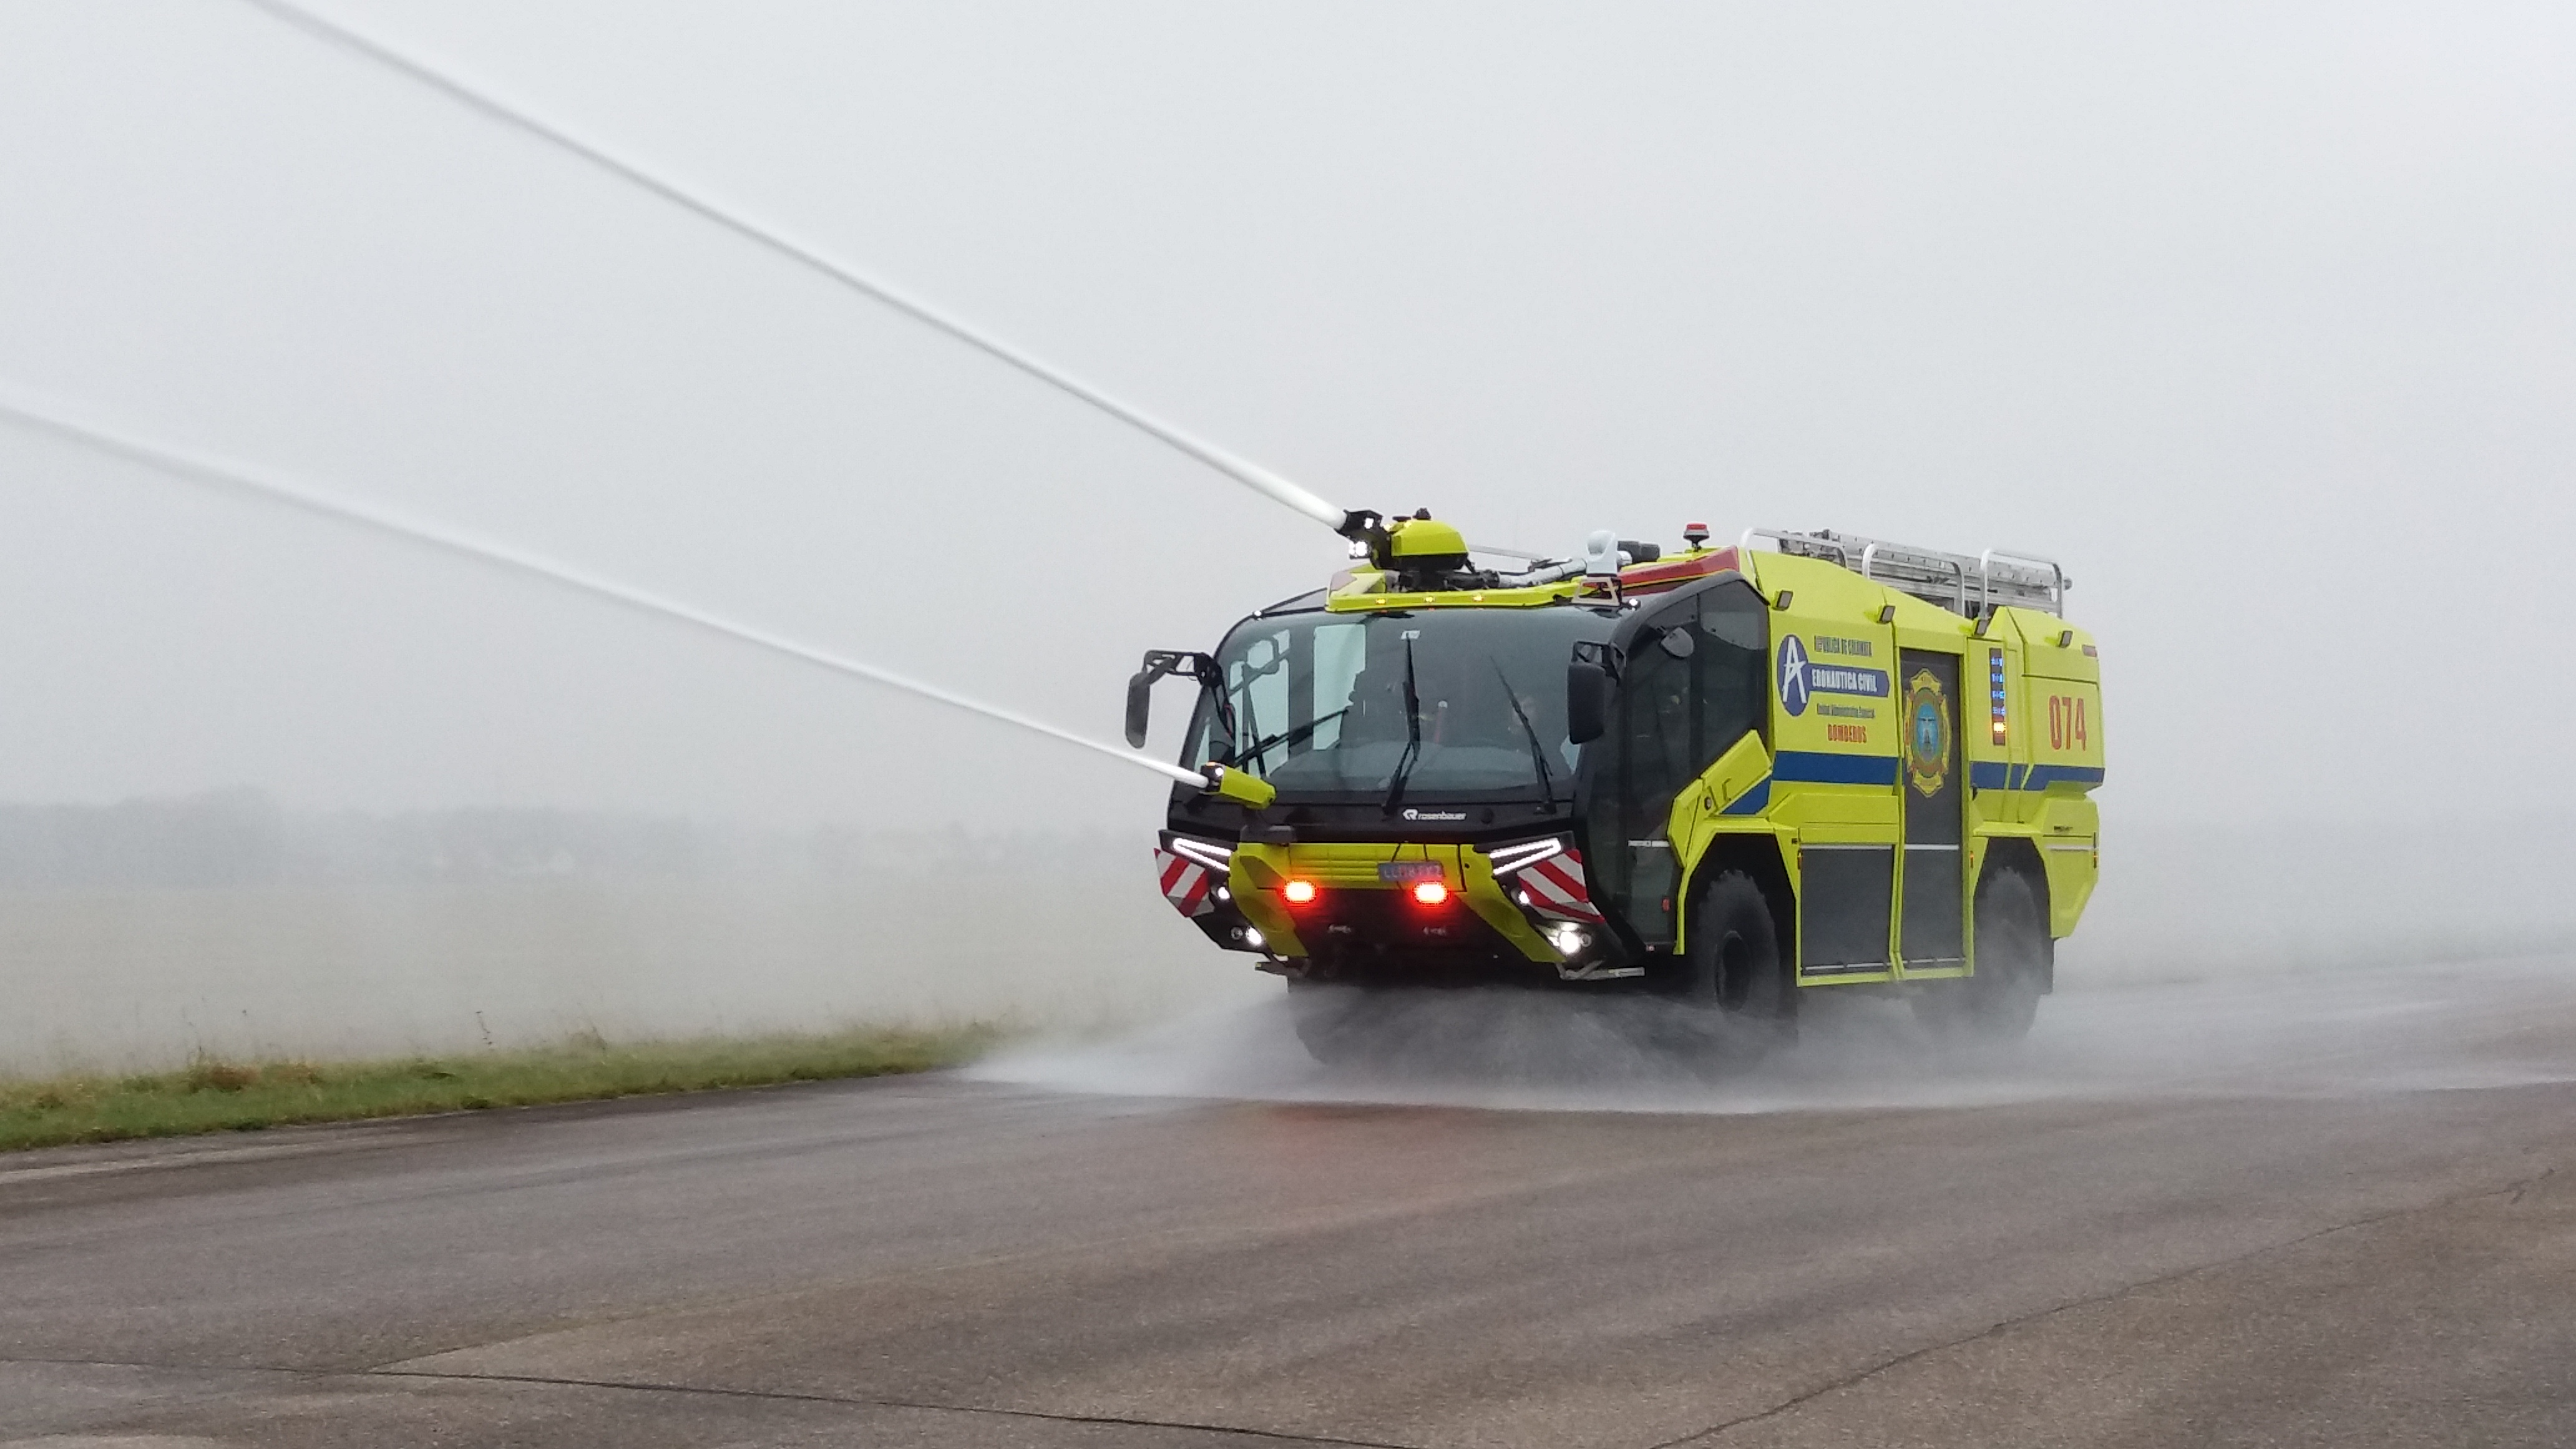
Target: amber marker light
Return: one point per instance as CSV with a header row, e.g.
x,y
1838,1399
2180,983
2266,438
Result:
x,y
1298,892
1430,892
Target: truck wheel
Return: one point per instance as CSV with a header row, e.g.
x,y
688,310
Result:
x,y
1734,974
1998,1003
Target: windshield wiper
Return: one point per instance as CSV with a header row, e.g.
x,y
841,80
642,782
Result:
x,y
1538,751
1412,732
1289,736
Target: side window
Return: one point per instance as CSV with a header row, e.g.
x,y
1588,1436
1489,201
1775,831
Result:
x,y
1655,735
1730,671
1258,683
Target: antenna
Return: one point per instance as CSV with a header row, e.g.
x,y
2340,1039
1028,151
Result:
x,y
1251,475
242,482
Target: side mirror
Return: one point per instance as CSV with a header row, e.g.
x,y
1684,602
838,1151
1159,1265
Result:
x,y
1587,702
1140,707
1162,662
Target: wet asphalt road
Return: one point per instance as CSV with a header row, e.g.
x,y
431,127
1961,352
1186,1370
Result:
x,y
2377,1248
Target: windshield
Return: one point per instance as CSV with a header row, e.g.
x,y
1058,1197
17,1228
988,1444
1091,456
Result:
x,y
1449,704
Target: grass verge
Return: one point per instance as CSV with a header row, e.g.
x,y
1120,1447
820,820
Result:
x,y
211,1094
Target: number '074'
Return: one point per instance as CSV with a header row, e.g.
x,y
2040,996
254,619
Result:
x,y
2067,728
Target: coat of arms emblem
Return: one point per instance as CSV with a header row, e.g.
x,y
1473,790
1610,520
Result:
x,y
1927,733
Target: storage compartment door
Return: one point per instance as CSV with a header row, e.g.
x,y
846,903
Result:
x,y
1933,882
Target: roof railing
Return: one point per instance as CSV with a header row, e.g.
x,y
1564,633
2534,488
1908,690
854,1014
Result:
x,y
1999,576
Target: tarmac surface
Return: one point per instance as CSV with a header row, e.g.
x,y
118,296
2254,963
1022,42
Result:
x,y
2307,1211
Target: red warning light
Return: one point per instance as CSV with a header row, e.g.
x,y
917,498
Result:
x,y
1430,892
1298,892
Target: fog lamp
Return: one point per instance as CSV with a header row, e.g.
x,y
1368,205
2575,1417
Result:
x,y
1570,940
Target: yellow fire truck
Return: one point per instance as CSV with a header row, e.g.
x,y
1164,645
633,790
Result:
x,y
1726,774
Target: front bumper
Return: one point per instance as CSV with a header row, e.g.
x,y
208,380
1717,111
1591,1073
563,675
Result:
x,y
1512,911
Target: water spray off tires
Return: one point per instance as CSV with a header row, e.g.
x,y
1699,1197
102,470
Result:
x,y
1742,994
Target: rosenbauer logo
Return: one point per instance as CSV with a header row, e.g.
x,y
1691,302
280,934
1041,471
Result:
x,y
1793,675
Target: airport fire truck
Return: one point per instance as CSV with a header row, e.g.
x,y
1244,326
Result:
x,y
1727,774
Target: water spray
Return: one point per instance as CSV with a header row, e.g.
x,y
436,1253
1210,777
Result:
x,y
244,482
1357,525
1251,475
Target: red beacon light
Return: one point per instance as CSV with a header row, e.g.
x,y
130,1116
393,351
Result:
x,y
1695,534
1430,892
1298,892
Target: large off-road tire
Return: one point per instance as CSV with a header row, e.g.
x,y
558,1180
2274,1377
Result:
x,y
2014,952
1735,977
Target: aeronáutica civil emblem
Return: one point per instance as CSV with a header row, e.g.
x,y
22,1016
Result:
x,y
1927,736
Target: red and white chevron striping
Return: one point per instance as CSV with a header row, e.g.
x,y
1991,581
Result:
x,y
1556,888
1188,885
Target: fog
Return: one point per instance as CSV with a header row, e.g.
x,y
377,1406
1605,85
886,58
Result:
x,y
224,924
2258,316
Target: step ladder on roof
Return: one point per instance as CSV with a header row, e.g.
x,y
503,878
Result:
x,y
1964,584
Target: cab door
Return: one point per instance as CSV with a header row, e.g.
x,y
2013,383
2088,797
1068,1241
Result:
x,y
1696,681
1932,880
1635,771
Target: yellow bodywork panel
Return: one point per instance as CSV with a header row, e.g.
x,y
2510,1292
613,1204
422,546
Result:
x,y
2051,676
1726,787
1729,798
1363,590
1360,595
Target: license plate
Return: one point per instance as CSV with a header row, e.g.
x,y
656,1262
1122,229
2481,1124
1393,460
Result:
x,y
1406,872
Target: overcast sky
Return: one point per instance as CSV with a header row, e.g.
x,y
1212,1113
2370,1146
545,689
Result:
x,y
2263,318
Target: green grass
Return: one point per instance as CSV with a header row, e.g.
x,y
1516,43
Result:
x,y
215,1095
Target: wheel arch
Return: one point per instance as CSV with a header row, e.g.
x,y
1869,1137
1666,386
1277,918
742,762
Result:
x,y
2019,855
1756,854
